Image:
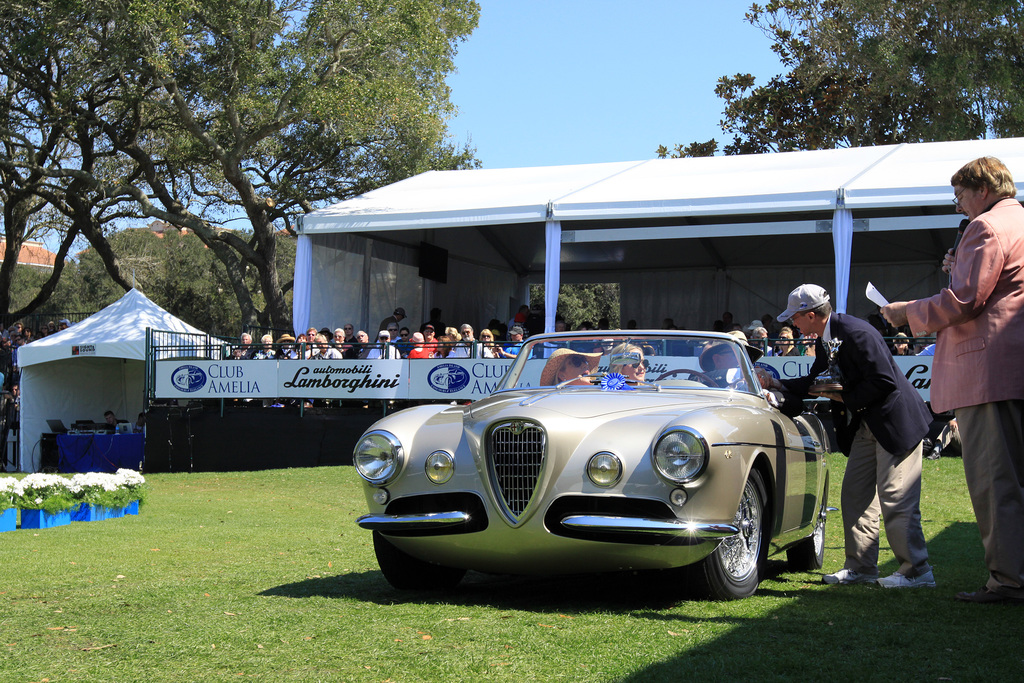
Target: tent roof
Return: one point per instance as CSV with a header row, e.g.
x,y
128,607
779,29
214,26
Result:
x,y
715,188
117,331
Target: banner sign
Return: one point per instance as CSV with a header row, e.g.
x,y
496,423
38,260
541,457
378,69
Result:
x,y
216,379
463,379
381,379
917,369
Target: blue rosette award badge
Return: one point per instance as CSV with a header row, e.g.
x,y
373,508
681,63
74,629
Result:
x,y
614,381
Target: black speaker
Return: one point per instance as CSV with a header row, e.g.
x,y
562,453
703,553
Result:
x,y
434,263
49,456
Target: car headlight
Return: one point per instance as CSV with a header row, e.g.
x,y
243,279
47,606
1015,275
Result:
x,y
680,455
378,456
604,469
439,466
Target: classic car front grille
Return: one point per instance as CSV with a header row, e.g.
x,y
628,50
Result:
x,y
516,460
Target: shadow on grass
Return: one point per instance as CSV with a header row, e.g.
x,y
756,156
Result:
x,y
862,632
794,628
617,591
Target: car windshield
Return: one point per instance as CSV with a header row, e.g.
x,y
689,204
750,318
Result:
x,y
606,361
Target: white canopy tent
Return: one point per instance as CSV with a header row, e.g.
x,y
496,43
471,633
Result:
x,y
93,366
679,235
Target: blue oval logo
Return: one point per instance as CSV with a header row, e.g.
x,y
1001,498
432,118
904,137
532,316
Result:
x,y
188,378
448,378
771,371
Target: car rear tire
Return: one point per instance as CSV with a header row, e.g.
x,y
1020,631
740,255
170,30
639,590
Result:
x,y
809,554
734,569
405,572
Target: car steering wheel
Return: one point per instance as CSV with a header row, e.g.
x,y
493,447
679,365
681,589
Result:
x,y
698,375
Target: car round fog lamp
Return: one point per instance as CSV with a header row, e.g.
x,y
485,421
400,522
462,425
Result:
x,y
381,496
677,497
440,466
604,469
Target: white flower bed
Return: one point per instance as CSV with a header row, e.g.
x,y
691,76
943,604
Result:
x,y
38,490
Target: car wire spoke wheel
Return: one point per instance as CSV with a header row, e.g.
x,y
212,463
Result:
x,y
740,552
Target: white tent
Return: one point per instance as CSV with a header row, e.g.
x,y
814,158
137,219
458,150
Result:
x,y
691,235
93,366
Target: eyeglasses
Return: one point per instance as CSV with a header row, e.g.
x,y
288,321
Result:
x,y
956,197
644,363
578,361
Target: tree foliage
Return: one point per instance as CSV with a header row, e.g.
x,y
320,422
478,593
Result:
x,y
196,112
582,303
872,72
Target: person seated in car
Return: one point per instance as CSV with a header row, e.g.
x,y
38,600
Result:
x,y
628,360
721,362
566,364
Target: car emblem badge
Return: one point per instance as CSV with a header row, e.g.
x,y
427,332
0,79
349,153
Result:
x,y
518,427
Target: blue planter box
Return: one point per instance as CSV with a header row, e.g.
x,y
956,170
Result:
x,y
41,519
87,512
8,519
133,508
81,513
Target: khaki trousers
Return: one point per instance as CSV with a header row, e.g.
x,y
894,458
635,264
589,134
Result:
x,y
879,481
993,446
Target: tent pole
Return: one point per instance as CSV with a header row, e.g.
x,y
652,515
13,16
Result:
x,y
552,268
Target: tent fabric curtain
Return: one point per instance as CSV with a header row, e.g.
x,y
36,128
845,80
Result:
x,y
552,271
303,284
842,239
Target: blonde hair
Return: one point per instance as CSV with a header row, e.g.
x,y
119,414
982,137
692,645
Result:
x,y
623,349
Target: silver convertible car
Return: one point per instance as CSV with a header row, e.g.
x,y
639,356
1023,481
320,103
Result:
x,y
601,452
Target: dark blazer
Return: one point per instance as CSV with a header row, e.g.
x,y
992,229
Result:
x,y
874,389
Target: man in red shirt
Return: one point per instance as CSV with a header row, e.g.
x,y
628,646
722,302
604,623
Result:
x,y
429,342
418,348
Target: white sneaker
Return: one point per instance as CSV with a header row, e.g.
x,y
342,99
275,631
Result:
x,y
848,576
897,580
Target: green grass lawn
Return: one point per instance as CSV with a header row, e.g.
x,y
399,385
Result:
x,y
264,575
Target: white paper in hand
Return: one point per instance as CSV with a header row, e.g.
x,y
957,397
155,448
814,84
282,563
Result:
x,y
875,296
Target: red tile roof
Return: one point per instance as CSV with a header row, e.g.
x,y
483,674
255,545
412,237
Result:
x,y
32,254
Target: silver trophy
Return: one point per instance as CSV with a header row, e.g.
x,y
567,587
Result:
x,y
832,378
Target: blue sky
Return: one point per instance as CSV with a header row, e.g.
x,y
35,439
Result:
x,y
547,82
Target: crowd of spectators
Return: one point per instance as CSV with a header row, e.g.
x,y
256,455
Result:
x,y
497,339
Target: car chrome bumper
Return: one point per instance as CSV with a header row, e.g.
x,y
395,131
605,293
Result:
x,y
430,520
641,525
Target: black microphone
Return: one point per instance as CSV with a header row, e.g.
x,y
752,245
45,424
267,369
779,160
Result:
x,y
956,243
960,233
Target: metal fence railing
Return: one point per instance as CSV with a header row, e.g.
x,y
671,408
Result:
x,y
800,347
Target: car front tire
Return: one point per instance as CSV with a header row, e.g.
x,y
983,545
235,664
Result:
x,y
733,570
405,572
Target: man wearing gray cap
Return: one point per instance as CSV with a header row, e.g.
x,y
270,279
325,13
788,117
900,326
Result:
x,y
880,421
